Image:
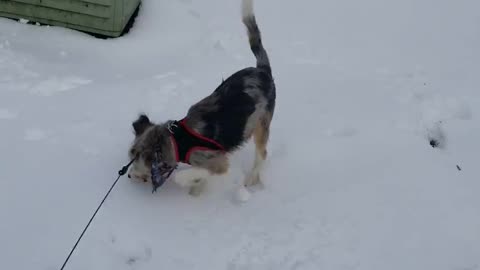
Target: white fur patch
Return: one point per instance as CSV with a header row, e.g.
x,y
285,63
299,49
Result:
x,y
138,170
242,195
247,8
187,177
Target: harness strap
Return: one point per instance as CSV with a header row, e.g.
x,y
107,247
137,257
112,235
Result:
x,y
186,141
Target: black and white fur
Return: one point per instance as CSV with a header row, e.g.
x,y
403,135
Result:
x,y
241,107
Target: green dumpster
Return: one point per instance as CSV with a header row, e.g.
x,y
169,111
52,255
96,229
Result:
x,y
101,17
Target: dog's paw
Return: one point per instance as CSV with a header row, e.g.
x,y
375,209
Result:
x,y
252,179
197,188
242,195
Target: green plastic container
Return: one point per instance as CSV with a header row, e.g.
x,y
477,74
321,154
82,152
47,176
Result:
x,y
102,17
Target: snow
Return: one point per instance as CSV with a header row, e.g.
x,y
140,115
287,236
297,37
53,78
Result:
x,y
351,181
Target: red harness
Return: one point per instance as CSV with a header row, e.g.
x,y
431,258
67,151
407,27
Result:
x,y
186,141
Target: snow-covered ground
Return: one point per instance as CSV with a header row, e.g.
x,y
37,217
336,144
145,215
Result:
x,y
351,181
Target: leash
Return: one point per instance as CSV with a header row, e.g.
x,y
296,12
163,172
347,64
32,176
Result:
x,y
122,172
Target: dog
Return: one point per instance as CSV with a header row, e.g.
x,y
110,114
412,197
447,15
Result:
x,y
240,108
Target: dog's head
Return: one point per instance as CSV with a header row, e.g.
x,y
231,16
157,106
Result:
x,y
151,141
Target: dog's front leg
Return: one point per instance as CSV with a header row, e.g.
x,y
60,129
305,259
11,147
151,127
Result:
x,y
197,188
195,178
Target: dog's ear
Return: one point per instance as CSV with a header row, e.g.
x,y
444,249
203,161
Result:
x,y
141,124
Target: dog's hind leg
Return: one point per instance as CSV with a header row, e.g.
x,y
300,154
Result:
x,y
261,135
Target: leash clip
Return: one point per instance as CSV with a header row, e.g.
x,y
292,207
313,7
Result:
x,y
124,169
172,125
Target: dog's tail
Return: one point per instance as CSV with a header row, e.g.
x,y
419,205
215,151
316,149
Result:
x,y
254,36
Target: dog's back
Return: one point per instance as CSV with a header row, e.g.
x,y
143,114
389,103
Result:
x,y
245,100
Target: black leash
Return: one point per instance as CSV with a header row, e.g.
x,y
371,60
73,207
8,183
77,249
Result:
x,y
122,172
